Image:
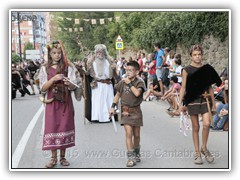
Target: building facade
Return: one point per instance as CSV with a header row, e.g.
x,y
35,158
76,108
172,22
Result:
x,y
32,28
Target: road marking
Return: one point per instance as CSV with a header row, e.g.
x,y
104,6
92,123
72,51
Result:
x,y
17,155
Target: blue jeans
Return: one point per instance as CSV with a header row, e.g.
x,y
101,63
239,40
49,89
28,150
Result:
x,y
219,122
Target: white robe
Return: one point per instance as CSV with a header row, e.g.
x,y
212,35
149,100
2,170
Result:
x,y
102,96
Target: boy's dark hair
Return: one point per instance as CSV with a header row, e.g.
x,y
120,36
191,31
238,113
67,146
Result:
x,y
157,45
178,61
134,64
177,56
174,79
196,47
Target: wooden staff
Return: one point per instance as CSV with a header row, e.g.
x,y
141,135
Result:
x,y
206,96
84,97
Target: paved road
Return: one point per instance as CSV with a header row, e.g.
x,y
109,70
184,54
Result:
x,y
98,146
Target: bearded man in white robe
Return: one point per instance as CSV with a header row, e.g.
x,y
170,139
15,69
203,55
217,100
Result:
x,y
101,68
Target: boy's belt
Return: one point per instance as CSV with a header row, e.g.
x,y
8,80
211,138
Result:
x,y
126,110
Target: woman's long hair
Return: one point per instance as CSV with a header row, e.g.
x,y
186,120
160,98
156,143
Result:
x,y
226,94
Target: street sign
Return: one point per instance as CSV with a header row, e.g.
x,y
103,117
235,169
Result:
x,y
119,43
33,54
119,38
32,51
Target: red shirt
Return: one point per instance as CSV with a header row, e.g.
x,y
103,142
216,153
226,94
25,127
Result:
x,y
219,88
152,70
140,62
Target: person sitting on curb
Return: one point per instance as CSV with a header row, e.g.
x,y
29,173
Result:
x,y
154,90
171,94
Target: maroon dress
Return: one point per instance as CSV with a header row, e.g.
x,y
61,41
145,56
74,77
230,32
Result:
x,y
59,131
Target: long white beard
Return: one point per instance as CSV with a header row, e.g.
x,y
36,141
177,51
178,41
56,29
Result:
x,y
100,66
100,56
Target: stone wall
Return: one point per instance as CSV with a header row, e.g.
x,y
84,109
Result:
x,y
215,53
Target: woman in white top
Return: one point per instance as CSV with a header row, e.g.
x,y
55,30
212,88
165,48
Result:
x,y
178,70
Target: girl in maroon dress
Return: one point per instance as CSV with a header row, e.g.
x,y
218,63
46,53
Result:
x,y
54,76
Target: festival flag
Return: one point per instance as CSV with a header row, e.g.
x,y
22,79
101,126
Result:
x,y
76,21
94,21
101,21
117,19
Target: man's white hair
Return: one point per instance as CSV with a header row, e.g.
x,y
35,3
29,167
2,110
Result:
x,y
101,48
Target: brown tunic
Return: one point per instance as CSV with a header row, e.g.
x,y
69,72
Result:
x,y
199,105
131,103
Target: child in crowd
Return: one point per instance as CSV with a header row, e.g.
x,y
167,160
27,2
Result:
x,y
172,93
154,90
197,80
55,78
131,90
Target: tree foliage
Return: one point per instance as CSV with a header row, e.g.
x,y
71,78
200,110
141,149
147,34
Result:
x,y
140,30
15,58
80,43
28,46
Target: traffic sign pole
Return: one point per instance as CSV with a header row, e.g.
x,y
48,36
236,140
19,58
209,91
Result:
x,y
119,45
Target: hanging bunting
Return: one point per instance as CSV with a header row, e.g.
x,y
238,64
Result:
x,y
101,21
60,18
86,20
59,29
94,21
70,29
117,18
110,19
66,28
81,29
76,21
76,29
69,19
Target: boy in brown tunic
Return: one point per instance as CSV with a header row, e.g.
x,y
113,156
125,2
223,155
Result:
x,y
131,90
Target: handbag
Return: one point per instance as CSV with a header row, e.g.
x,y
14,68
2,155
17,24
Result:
x,y
60,92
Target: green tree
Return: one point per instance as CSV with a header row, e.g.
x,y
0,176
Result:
x,y
139,30
79,43
28,46
142,29
15,58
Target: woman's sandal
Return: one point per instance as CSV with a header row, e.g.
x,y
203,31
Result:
x,y
64,162
130,163
52,163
